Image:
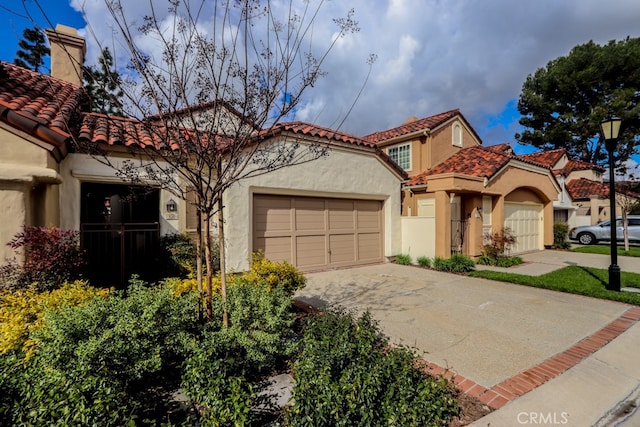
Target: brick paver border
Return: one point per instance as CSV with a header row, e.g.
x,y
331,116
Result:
x,y
506,391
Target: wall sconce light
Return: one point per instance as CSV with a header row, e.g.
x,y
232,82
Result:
x,y
172,206
479,209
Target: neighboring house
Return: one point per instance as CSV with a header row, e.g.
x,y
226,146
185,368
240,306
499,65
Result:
x,y
584,199
322,214
458,190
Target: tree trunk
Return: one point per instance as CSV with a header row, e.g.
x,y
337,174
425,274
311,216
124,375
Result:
x,y
207,257
221,252
199,261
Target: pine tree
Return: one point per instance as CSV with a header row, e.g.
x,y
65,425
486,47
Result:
x,y
32,50
103,84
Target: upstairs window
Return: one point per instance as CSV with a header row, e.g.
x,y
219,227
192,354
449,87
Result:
x,y
401,154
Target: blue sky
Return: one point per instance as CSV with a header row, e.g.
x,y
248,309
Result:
x,y
16,15
433,55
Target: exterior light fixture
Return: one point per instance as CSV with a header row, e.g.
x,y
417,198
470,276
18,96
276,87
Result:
x,y
610,131
172,206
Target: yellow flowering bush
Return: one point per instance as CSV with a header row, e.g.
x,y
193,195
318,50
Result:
x,y
274,274
22,312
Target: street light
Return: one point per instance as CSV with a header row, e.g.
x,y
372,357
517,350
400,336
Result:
x,y
610,130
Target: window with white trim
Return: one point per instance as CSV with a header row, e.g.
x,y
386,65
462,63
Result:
x,y
401,154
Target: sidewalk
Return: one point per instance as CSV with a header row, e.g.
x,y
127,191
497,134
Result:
x,y
543,262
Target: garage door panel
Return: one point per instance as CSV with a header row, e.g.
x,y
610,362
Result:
x,y
274,212
309,214
341,215
369,246
310,251
342,248
368,214
275,248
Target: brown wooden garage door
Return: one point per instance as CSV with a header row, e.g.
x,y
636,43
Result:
x,y
318,233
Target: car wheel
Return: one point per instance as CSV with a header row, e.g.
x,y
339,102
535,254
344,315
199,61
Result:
x,y
586,238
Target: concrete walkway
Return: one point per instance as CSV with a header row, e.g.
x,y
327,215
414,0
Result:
x,y
502,343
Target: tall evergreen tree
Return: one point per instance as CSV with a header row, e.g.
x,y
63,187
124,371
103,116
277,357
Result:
x,y
33,50
103,84
563,103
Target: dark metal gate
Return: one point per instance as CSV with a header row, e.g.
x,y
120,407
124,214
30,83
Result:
x,y
118,250
458,236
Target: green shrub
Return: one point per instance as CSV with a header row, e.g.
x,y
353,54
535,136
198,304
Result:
x,y
560,233
225,370
424,261
52,256
61,397
348,375
458,263
110,357
403,259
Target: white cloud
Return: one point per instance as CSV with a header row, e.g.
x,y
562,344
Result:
x,y
433,55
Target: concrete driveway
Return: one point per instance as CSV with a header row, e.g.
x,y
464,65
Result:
x,y
483,330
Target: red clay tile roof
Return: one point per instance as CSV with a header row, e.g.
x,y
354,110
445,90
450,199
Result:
x,y
309,129
414,126
546,158
111,130
584,188
549,158
39,104
573,165
474,161
501,148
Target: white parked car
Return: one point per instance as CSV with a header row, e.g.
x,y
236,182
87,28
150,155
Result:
x,y
591,234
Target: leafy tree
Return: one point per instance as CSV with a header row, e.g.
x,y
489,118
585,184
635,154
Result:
x,y
563,103
103,85
32,50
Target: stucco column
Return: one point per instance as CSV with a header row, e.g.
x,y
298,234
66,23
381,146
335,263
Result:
x,y
443,224
548,224
14,210
594,203
474,232
497,223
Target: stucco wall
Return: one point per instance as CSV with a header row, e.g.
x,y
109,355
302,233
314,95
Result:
x,y
29,181
13,212
344,173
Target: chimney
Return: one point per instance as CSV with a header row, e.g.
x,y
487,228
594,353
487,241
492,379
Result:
x,y
67,53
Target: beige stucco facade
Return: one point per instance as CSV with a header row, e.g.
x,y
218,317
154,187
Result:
x,y
430,147
520,184
29,181
347,172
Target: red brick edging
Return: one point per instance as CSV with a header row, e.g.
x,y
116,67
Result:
x,y
525,381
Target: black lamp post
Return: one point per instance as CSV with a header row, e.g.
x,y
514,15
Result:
x,y
610,130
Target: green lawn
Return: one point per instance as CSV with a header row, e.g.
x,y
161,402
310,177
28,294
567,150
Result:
x,y
604,249
573,279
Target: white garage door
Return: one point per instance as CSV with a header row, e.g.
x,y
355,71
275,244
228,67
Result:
x,y
318,233
525,221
